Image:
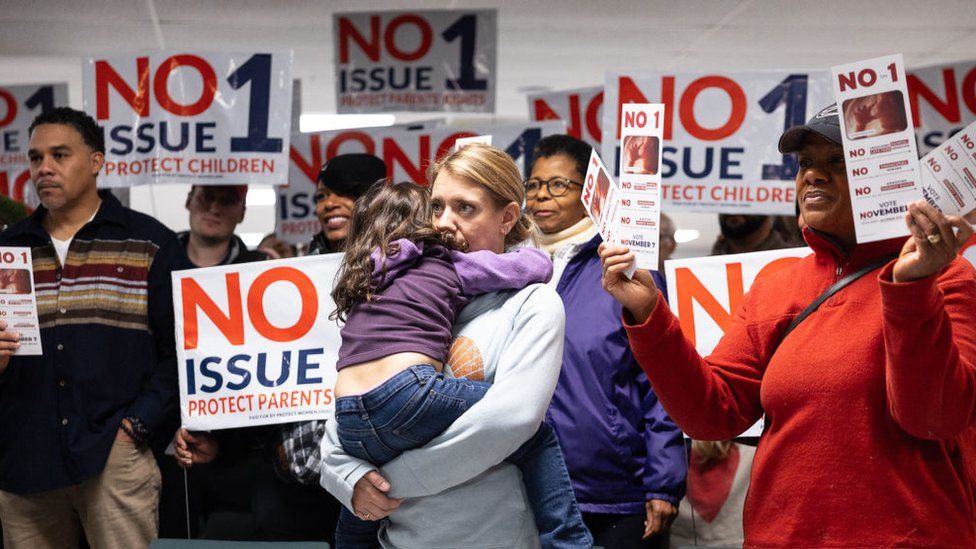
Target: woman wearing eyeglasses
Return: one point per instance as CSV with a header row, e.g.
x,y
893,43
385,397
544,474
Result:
x,y
624,455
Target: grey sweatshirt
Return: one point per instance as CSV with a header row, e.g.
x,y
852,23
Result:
x,y
458,491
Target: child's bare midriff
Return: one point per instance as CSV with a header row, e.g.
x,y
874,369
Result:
x,y
360,378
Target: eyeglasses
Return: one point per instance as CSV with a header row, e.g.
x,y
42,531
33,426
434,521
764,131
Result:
x,y
555,186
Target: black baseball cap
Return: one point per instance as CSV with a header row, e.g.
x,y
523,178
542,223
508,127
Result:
x,y
825,123
351,174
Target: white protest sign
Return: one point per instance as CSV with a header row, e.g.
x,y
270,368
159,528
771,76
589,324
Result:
x,y
943,101
461,142
19,105
580,108
721,132
190,117
255,343
18,302
407,154
640,181
879,145
706,292
949,174
420,60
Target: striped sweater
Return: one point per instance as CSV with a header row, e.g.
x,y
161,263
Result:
x,y
106,319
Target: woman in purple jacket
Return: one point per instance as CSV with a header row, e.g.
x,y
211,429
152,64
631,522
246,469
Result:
x,y
625,456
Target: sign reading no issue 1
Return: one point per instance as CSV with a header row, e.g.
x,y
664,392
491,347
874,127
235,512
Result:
x,y
439,60
192,117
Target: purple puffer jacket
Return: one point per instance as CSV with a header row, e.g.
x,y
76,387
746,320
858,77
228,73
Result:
x,y
621,447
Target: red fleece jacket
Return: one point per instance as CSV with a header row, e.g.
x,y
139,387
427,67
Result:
x,y
866,401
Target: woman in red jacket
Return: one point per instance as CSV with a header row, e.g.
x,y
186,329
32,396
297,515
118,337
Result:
x,y
870,402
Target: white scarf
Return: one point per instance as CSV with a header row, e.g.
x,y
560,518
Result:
x,y
582,231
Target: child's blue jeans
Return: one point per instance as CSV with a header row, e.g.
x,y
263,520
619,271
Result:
x,y
418,404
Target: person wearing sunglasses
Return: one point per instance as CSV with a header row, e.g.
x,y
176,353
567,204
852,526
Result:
x,y
215,211
624,455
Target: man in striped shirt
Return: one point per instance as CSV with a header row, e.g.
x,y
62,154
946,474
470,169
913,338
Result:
x,y
77,421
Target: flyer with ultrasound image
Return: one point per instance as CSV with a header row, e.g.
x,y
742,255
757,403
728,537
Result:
x,y
641,137
879,145
18,302
601,198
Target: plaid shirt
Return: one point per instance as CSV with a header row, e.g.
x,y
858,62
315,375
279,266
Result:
x,y
302,443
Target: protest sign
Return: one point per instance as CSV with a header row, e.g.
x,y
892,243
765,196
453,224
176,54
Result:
x,y
201,118
705,293
879,145
407,155
580,108
19,105
949,174
943,101
18,302
254,342
721,132
640,181
421,60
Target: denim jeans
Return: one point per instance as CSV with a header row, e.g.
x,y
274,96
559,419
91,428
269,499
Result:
x,y
418,404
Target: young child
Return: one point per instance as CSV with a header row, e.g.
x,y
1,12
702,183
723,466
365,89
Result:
x,y
399,291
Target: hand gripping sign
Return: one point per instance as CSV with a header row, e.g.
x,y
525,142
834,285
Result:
x,y
428,60
19,105
407,154
254,342
720,134
706,292
201,118
581,108
879,145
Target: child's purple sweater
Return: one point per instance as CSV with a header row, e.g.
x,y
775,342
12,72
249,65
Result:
x,y
417,297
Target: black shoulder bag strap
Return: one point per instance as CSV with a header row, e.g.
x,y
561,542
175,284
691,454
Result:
x,y
836,287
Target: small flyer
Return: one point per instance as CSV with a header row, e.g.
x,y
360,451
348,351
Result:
x,y
601,198
462,141
879,145
18,304
641,136
949,174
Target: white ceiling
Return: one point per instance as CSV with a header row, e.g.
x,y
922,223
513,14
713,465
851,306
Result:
x,y
545,43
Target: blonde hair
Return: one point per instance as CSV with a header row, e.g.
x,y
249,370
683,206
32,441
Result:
x,y
496,172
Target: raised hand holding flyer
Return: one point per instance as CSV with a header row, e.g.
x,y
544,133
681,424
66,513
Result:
x,y
949,174
642,132
18,303
879,145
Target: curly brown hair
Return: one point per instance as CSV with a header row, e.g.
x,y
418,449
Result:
x,y
386,213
